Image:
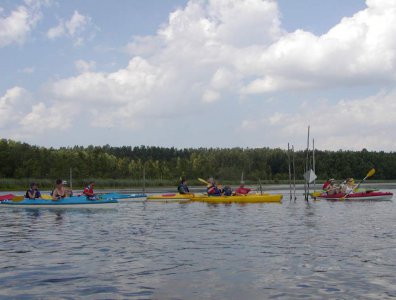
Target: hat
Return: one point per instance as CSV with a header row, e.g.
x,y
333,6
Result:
x,y
242,182
64,182
332,179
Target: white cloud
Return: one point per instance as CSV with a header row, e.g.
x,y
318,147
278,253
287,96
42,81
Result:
x,y
76,28
27,70
213,52
13,106
85,66
348,124
56,31
21,116
15,27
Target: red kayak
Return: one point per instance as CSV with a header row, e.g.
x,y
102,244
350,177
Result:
x,y
7,197
364,196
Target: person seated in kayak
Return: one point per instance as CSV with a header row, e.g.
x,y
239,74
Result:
x,y
327,183
59,191
212,188
182,188
242,190
68,190
227,191
88,190
331,188
33,192
349,187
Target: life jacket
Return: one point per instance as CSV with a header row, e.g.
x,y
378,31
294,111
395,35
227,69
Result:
x,y
227,191
213,190
38,194
183,188
88,189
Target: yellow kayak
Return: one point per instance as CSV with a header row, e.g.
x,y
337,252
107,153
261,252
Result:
x,y
254,198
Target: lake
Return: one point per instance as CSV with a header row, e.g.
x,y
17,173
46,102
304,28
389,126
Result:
x,y
143,250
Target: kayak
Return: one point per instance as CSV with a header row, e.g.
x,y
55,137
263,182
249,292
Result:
x,y
254,198
363,196
171,197
317,194
64,202
122,197
7,197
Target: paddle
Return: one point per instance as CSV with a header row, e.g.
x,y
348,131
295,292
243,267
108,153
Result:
x,y
203,181
369,174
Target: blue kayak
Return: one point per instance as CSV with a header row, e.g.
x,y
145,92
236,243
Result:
x,y
76,201
119,196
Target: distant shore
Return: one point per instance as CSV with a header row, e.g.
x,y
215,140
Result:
x,y
201,189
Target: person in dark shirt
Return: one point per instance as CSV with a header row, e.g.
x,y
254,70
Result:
x,y
33,192
182,188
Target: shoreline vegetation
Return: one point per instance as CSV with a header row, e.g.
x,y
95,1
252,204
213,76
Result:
x,y
124,167
125,185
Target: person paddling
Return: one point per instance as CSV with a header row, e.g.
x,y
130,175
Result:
x,y
33,192
88,190
182,187
331,188
242,190
349,187
212,188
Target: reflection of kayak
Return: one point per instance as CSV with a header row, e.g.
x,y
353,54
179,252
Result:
x,y
171,197
64,202
367,196
122,197
254,198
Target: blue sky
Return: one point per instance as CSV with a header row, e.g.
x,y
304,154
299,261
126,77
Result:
x,y
216,73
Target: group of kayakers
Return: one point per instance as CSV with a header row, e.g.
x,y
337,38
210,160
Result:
x,y
61,190
346,187
214,189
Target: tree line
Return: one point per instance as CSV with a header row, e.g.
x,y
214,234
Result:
x,y
21,160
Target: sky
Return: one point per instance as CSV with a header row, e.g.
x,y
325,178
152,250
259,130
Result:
x,y
215,73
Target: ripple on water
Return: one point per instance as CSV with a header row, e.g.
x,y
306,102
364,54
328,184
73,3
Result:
x,y
199,251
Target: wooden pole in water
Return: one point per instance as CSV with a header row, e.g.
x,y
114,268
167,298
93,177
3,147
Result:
x,y
71,178
313,161
288,157
306,167
144,178
294,175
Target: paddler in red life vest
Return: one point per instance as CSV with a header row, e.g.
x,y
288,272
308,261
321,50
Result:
x,y
88,190
330,187
212,188
326,184
242,190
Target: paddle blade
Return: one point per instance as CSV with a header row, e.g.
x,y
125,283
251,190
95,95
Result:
x,y
370,173
203,181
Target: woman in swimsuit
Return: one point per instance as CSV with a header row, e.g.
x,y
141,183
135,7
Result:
x,y
59,191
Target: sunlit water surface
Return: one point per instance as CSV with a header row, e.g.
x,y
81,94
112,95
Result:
x,y
141,250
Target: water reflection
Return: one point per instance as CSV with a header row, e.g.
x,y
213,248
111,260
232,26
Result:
x,y
201,251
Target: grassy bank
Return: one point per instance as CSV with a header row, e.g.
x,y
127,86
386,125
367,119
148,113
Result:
x,y
23,183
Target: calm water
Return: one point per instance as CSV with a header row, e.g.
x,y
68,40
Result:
x,y
198,251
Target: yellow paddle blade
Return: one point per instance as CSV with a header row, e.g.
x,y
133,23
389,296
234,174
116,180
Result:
x,y
18,198
370,173
46,197
203,181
